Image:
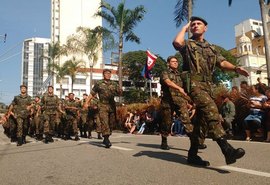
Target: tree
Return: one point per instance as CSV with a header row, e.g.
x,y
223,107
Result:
x,y
220,75
264,14
183,11
133,63
122,21
73,67
89,42
60,72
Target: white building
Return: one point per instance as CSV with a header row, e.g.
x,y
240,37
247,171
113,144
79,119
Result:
x,y
250,51
34,64
66,17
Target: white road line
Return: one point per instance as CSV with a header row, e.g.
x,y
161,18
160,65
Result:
x,y
121,148
252,172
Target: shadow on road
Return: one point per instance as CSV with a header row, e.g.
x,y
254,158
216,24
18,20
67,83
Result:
x,y
172,157
158,146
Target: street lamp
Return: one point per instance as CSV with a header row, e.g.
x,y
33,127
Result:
x,y
91,63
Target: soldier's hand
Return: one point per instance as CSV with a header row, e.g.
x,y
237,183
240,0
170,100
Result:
x,y
188,128
181,90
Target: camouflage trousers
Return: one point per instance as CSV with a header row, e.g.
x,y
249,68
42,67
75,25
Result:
x,y
22,126
206,110
35,125
71,124
50,120
94,120
107,119
179,106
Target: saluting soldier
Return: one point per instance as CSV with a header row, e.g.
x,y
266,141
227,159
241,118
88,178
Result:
x,y
200,59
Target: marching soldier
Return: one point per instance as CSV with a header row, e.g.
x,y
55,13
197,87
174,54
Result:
x,y
106,89
21,106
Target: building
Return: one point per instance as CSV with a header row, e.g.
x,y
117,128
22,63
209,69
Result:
x,y
250,51
66,17
34,64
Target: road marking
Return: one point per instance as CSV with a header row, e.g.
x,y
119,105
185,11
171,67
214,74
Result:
x,y
252,172
121,148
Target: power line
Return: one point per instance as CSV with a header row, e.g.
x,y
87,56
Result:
x,y
10,57
10,49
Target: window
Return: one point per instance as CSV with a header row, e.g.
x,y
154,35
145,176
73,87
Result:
x,y
80,81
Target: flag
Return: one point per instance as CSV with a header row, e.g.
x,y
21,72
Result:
x,y
150,62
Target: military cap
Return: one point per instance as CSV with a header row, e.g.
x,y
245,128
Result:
x,y
23,85
195,18
106,70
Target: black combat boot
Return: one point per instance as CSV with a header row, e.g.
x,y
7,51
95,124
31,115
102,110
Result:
x,y
99,136
46,141
19,141
13,139
23,139
77,137
107,142
230,153
51,139
194,159
164,143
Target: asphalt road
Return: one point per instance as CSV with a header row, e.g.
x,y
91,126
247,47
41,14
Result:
x,y
132,160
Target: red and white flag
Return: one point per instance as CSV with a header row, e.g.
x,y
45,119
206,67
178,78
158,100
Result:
x,y
151,60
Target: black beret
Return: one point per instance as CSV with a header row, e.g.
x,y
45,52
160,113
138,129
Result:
x,y
194,18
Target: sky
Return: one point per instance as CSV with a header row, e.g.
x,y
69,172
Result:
x,y
23,19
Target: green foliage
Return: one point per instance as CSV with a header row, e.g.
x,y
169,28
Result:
x,y
220,75
134,62
135,95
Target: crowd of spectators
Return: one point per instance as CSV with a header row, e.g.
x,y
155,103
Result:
x,y
244,115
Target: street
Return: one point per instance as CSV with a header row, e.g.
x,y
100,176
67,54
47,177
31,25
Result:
x,y
132,159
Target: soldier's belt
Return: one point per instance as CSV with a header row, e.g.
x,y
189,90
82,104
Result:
x,y
201,78
176,94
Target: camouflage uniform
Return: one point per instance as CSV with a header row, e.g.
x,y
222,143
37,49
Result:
x,y
93,117
173,101
106,91
71,118
21,114
200,60
37,120
83,121
50,104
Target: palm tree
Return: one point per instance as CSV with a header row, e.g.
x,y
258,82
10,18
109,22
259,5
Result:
x,y
183,11
264,14
122,21
73,67
90,42
53,53
60,72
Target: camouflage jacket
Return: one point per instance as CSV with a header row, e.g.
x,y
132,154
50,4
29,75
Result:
x,y
20,104
106,91
175,77
50,103
200,59
72,107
